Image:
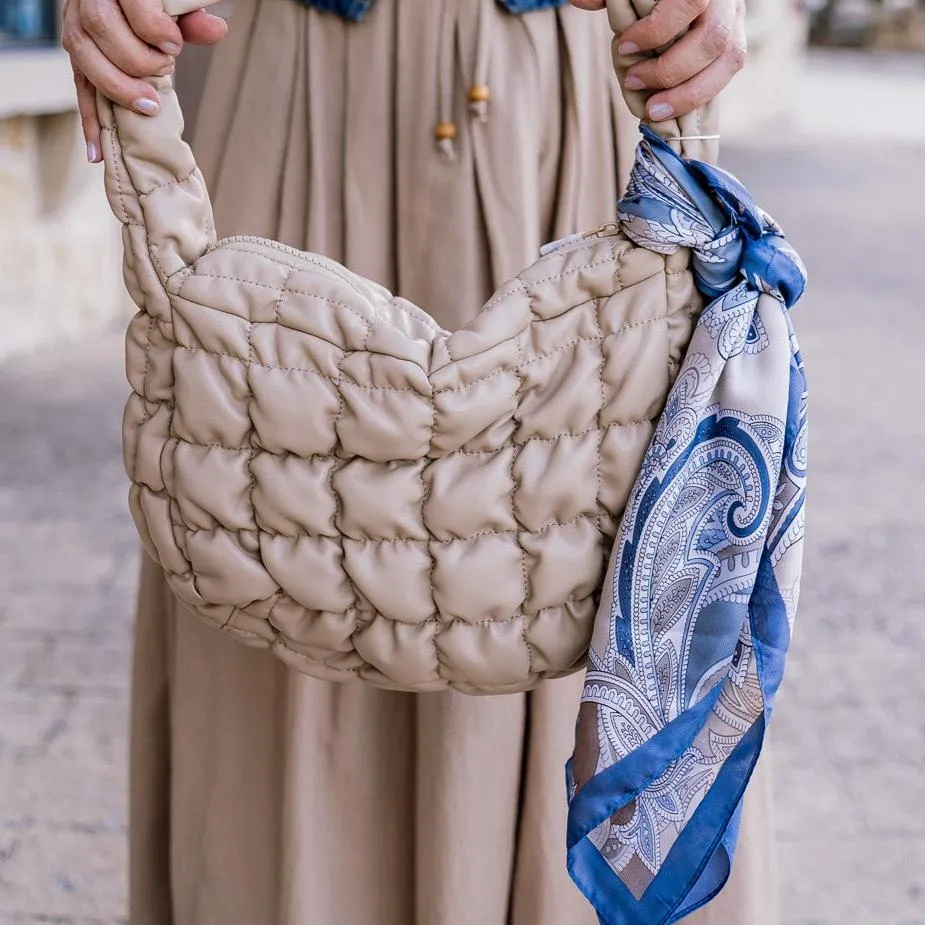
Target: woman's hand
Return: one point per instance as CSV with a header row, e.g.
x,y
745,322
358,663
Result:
x,y
695,69
115,44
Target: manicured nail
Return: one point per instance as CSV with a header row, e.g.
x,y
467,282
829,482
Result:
x,y
145,106
627,48
661,111
170,49
93,154
632,82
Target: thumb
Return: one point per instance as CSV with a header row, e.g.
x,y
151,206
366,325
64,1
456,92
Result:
x,y
202,28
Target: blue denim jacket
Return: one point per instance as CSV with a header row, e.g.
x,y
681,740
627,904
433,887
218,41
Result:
x,y
357,9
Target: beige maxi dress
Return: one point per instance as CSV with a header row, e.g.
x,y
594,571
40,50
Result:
x,y
261,797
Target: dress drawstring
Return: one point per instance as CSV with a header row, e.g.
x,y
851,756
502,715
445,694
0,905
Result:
x,y
447,131
479,93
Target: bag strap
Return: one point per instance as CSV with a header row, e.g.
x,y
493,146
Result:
x,y
156,191
693,136
152,180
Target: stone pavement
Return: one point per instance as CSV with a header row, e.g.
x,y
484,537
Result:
x,y
849,733
67,569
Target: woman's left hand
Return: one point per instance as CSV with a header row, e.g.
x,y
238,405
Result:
x,y
698,66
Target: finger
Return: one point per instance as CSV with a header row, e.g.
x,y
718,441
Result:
x,y
129,92
152,25
114,37
589,4
701,89
89,120
202,28
710,38
664,24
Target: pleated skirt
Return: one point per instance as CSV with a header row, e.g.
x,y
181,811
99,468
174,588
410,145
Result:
x,y
262,797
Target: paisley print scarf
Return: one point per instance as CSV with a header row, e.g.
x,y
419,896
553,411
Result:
x,y
702,585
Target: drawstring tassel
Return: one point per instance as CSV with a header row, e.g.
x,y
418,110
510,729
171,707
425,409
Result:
x,y
479,95
447,130
446,133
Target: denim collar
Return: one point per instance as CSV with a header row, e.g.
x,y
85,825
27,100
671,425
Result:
x,y
355,10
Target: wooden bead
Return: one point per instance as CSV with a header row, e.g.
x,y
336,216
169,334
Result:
x,y
479,93
446,131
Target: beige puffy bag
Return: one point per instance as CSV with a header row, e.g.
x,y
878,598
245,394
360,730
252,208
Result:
x,y
319,468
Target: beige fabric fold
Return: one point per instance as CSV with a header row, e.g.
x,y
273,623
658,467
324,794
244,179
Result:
x,y
260,796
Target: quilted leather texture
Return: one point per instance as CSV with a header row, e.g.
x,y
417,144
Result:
x,y
320,469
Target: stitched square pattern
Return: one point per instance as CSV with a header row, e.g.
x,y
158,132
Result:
x,y
320,469
421,518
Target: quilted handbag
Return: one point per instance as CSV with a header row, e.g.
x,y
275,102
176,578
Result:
x,y
321,469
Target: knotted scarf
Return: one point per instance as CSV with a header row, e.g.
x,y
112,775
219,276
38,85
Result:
x,y
702,585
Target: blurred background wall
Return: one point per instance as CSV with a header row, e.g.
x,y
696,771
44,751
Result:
x,y
59,274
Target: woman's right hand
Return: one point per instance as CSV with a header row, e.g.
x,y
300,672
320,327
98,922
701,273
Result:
x,y
115,44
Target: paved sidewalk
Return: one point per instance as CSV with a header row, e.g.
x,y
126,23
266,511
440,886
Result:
x,y
67,569
849,734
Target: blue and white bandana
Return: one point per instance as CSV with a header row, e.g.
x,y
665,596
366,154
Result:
x,y
702,586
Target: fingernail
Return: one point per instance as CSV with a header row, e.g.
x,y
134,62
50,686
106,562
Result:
x,y
169,48
627,48
145,106
632,82
93,154
660,111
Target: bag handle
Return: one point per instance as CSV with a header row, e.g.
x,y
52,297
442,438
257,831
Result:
x,y
153,183
156,191
693,136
